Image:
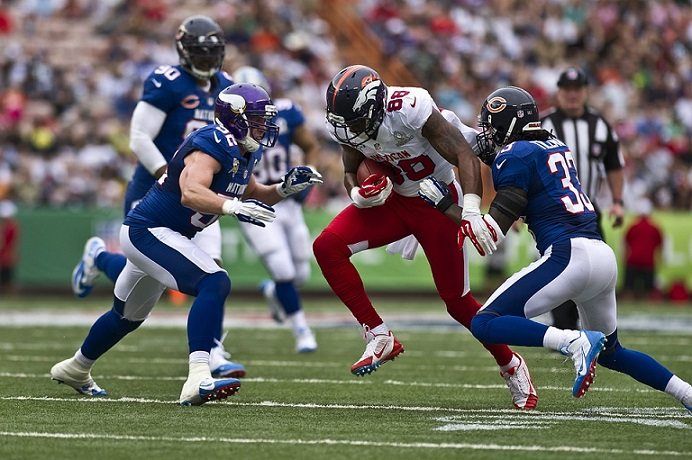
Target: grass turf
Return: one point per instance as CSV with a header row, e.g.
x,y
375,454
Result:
x,y
443,398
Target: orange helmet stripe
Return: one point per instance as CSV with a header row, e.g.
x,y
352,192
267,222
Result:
x,y
343,77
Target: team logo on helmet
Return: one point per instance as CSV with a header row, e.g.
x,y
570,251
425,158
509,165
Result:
x,y
496,104
368,93
366,80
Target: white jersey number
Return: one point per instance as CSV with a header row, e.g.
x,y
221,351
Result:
x,y
565,161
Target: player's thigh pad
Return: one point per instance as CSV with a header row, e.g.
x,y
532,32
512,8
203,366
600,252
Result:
x,y
167,256
596,302
558,276
137,291
209,240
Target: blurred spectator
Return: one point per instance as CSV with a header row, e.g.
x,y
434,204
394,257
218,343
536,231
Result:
x,y
643,244
9,245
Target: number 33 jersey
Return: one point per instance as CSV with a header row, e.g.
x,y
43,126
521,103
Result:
x,y
400,141
161,207
557,208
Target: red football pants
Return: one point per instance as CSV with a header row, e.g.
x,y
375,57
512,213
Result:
x,y
356,229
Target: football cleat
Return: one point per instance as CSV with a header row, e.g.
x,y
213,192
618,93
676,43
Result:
x,y
584,351
220,364
305,341
86,272
199,390
520,385
71,374
268,290
380,348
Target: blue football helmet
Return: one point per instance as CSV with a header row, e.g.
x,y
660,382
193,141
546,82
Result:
x,y
246,111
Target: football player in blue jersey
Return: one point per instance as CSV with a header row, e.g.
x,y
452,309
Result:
x,y
210,175
535,177
176,100
284,246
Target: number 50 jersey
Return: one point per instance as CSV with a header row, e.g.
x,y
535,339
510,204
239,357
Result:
x,y
557,208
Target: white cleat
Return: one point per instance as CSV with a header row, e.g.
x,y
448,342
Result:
x,y
305,341
220,362
380,348
520,385
584,351
74,375
198,390
85,272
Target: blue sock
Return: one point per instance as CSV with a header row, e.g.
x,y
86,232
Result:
x,y
206,312
509,330
636,364
287,295
111,264
108,330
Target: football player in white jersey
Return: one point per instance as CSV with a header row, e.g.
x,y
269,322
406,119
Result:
x,y
284,246
403,127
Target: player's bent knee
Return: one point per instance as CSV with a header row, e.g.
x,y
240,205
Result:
x,y
217,284
480,326
124,325
328,247
462,309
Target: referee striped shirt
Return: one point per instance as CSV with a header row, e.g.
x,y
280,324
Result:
x,y
593,143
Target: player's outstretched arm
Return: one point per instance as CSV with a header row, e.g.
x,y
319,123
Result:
x,y
352,158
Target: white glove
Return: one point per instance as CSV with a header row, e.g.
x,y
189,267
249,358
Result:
x,y
483,236
374,191
252,211
435,193
298,179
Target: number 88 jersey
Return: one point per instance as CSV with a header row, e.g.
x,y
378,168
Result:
x,y
557,208
400,141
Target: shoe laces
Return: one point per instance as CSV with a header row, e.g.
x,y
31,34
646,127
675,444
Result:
x,y
219,346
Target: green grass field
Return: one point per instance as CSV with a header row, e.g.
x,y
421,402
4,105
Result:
x,y
443,398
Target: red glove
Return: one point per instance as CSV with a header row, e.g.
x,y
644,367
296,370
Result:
x,y
374,191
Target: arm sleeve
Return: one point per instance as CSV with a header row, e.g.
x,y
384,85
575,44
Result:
x,y
612,159
147,121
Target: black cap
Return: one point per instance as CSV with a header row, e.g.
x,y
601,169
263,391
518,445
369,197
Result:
x,y
572,76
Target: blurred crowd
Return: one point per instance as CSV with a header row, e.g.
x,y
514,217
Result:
x,y
71,73
637,54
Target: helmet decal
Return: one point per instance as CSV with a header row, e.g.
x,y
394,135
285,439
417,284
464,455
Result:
x,y
496,104
368,93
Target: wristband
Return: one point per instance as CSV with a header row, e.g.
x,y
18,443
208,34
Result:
x,y
228,207
618,201
445,203
471,203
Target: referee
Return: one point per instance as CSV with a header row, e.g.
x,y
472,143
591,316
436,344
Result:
x,y
596,151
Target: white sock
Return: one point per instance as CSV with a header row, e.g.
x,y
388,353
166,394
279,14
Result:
x,y
298,322
199,363
83,361
680,390
557,339
382,329
514,362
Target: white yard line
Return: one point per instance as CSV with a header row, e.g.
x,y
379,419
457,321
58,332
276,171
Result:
x,y
339,442
354,381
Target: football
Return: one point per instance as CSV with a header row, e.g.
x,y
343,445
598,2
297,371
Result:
x,y
369,167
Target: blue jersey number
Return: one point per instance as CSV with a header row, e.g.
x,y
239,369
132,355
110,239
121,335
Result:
x,y
581,201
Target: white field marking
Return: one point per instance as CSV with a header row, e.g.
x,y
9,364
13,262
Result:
x,y
533,421
464,386
339,442
587,413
